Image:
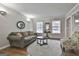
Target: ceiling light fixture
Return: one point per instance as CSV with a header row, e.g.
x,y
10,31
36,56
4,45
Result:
x,y
3,11
77,21
28,19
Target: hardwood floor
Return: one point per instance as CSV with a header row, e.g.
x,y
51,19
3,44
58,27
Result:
x,y
71,53
11,51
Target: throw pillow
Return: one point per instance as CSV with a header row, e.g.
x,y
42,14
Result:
x,y
19,34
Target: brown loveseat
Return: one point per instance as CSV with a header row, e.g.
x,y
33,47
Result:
x,y
21,39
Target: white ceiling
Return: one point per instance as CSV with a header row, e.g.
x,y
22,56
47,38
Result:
x,y
42,9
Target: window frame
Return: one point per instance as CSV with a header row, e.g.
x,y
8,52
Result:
x,y
58,25
41,27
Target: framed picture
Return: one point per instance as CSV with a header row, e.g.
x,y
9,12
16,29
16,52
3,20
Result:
x,y
47,27
20,24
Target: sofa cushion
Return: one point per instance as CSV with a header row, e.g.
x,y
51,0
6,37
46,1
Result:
x,y
25,34
19,34
26,38
31,33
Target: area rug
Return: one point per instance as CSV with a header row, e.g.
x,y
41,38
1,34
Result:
x,y
52,49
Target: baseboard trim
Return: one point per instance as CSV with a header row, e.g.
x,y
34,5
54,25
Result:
x,y
4,47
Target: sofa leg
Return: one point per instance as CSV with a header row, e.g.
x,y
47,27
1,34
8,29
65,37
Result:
x,y
63,49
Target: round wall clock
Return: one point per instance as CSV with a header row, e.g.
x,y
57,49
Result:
x,y
20,24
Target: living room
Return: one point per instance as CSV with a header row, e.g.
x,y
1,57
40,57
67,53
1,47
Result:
x,y
36,29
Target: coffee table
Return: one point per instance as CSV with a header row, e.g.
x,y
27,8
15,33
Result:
x,y
42,40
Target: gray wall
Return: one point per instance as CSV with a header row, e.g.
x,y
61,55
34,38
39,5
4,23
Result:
x,y
8,24
75,25
72,14
44,20
69,26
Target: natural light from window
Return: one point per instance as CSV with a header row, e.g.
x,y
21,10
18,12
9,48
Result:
x,y
56,26
39,27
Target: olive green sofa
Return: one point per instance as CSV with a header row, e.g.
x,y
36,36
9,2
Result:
x,y
21,39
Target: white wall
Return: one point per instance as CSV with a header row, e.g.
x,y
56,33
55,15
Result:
x,y
8,24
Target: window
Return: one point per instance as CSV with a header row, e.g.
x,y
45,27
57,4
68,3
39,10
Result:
x,y
56,26
39,28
